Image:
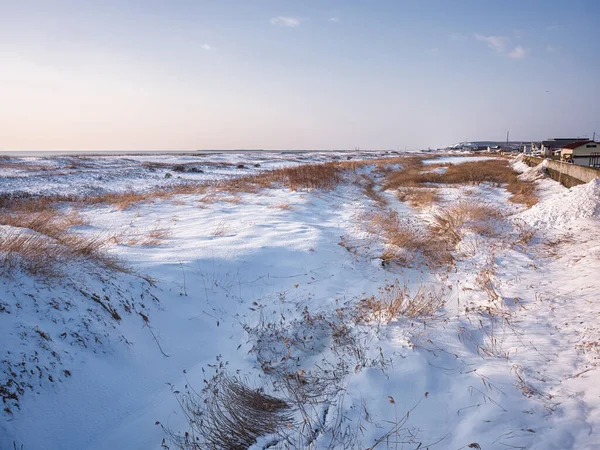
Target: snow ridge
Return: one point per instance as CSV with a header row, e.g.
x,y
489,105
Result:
x,y
560,209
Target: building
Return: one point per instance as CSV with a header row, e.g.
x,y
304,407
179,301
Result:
x,y
554,145
583,153
531,148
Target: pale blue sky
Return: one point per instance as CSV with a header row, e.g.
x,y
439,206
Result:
x,y
183,74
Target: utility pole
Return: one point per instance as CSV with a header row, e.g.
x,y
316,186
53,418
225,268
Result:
x,y
507,133
594,138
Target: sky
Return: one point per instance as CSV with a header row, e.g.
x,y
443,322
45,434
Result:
x,y
303,74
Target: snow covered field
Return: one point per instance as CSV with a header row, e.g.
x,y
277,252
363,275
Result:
x,y
365,315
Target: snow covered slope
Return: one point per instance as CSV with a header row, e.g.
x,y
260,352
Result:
x,y
256,285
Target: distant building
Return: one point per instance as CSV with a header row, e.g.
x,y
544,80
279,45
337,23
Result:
x,y
531,148
583,153
552,146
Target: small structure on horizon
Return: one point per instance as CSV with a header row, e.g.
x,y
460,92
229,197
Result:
x,y
532,148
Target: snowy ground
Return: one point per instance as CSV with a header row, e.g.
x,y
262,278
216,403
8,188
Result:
x,y
96,174
263,283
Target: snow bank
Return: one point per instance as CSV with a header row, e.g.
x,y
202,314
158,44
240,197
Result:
x,y
533,173
558,210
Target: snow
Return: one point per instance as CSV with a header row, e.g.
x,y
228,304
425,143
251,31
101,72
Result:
x,y
579,202
510,362
97,174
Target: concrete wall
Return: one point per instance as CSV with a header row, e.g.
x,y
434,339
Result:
x,y
568,174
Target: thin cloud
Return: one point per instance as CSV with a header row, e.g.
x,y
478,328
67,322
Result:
x,y
518,52
283,21
206,47
497,43
335,19
457,37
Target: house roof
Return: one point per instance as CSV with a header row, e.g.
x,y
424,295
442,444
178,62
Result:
x,y
576,144
561,142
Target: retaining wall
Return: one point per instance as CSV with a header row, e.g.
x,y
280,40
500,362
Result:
x,y
568,174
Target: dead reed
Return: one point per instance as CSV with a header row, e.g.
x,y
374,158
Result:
x,y
229,415
419,197
495,171
41,243
450,223
395,300
47,257
407,242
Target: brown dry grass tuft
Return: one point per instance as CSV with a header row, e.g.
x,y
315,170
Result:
x,y
450,222
155,236
435,243
395,300
418,197
41,242
44,256
47,221
495,171
368,186
407,241
230,416
307,176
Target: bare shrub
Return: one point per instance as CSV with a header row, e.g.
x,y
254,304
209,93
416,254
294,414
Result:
x,y
228,414
485,279
525,233
395,300
221,229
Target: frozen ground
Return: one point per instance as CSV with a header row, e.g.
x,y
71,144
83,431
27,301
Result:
x,y
97,174
257,283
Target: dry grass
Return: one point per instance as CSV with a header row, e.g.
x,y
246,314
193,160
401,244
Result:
x,y
221,229
48,221
407,241
125,200
525,233
368,186
307,176
495,171
154,237
231,416
450,222
42,244
485,280
48,257
419,197
283,206
395,300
